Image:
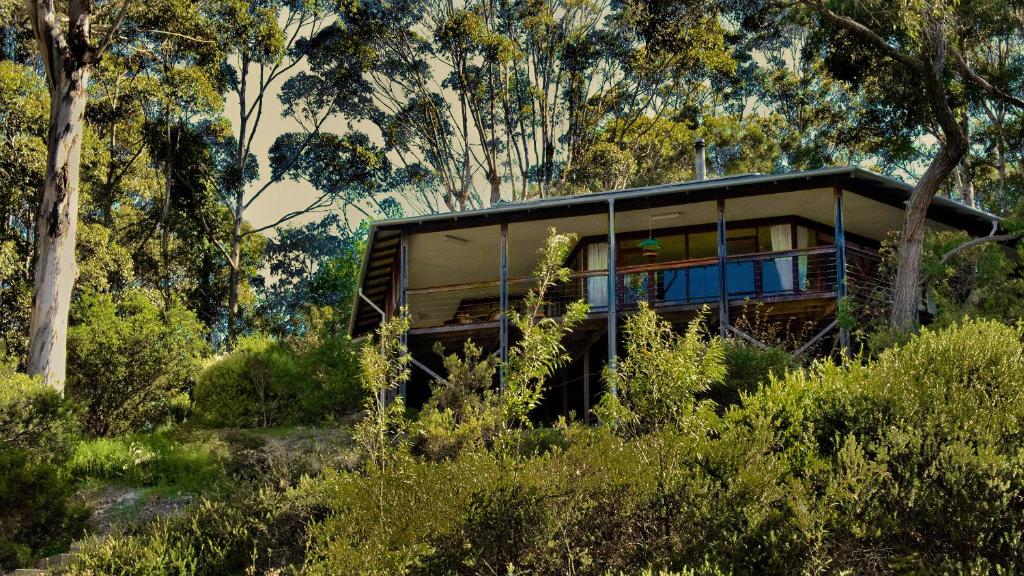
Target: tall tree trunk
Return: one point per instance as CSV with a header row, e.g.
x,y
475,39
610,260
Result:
x,y
235,264
56,225
495,182
68,60
907,290
234,277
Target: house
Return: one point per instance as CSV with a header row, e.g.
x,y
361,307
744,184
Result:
x,y
798,243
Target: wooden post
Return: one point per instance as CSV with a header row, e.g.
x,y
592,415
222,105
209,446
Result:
x,y
586,386
613,296
503,304
840,235
403,291
723,284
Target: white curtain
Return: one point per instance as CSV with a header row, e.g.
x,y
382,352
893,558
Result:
x,y
803,240
782,240
597,286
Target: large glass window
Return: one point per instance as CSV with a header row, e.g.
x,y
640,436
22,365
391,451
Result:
x,y
692,284
739,241
703,245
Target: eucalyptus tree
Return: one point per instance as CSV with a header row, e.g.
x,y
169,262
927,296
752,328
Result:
x,y
994,176
417,79
312,268
259,41
926,54
69,51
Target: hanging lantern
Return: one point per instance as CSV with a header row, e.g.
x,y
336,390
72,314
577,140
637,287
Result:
x,y
650,248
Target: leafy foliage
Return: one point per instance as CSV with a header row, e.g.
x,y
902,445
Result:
x,y
37,514
266,383
539,349
463,413
657,383
131,362
910,462
37,429
33,416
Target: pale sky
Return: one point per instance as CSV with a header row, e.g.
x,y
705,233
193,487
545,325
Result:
x,y
287,195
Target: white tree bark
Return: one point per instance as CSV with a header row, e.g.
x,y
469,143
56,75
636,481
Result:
x,y
68,59
57,221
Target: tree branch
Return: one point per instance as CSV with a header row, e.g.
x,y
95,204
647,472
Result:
x,y
967,73
122,12
312,207
993,237
867,34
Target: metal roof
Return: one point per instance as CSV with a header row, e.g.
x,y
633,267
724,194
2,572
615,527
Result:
x,y
722,183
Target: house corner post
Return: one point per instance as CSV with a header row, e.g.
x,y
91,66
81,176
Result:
x,y
841,283
841,287
503,305
613,297
403,291
723,283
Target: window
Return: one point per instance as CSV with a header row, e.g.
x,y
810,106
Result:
x,y
703,245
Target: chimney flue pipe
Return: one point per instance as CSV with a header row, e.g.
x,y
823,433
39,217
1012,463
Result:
x,y
699,163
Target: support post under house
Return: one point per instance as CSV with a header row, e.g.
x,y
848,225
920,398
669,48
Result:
x,y
403,291
613,296
723,283
503,305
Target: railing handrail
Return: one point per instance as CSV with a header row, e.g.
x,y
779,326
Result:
x,y
781,254
638,268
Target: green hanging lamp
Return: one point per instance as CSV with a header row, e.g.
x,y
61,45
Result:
x,y
650,248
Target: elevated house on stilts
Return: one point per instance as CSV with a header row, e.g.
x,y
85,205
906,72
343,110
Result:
x,y
799,243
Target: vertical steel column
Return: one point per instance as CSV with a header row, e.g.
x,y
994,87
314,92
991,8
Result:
x,y
723,282
613,296
503,304
403,291
840,235
586,386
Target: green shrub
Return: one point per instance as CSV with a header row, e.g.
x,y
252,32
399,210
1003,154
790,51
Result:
x,y
254,531
266,383
912,462
747,368
130,361
33,416
463,413
37,514
247,388
661,374
329,387
918,455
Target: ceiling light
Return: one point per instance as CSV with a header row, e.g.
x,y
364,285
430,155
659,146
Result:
x,y
666,216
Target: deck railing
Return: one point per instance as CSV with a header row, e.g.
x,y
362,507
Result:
x,y
766,276
756,276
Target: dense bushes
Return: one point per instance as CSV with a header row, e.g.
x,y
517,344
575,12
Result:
x,y
747,368
253,530
33,415
267,382
130,362
36,428
37,514
910,463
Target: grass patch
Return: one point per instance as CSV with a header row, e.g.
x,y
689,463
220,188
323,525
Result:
x,y
157,459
